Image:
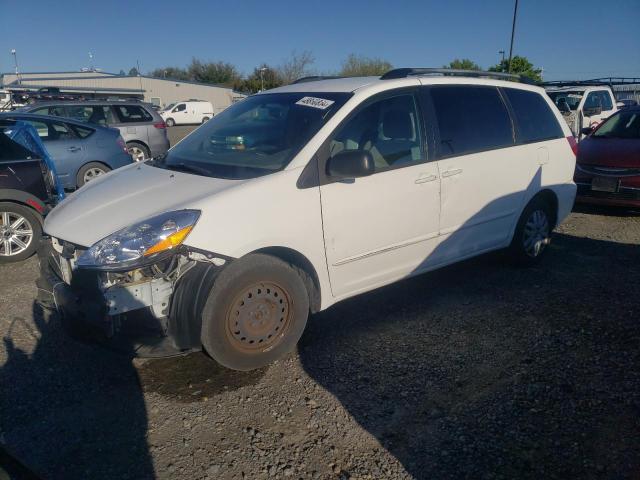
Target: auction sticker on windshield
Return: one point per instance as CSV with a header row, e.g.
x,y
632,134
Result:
x,y
314,102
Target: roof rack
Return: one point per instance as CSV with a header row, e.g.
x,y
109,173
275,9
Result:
x,y
406,72
314,78
594,82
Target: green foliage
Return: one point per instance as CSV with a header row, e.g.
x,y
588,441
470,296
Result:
x,y
520,66
213,72
359,65
172,73
133,71
122,74
463,64
253,83
297,66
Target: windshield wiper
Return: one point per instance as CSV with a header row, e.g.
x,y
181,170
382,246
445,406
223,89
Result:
x,y
187,167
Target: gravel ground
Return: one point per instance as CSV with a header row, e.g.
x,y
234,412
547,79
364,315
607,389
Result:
x,y
177,133
480,371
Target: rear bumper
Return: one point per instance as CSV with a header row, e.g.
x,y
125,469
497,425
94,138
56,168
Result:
x,y
158,144
85,315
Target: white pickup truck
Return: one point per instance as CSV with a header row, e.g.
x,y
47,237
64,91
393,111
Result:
x,y
583,106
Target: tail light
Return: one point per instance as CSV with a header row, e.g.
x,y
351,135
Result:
x,y
573,144
122,145
160,125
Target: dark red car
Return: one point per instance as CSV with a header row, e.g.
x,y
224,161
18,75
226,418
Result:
x,y
608,161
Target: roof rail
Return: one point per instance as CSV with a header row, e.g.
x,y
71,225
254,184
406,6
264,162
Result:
x,y
594,82
314,78
406,72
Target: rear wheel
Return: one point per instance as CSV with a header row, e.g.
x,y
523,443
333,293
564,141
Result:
x,y
255,313
205,119
138,152
20,232
91,171
170,122
533,232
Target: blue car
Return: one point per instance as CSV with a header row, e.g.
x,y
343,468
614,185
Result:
x,y
80,151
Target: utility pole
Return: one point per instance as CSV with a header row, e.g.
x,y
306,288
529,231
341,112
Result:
x,y
501,52
91,61
15,61
262,70
513,32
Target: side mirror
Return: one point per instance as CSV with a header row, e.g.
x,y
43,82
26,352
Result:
x,y
589,112
587,130
351,164
621,104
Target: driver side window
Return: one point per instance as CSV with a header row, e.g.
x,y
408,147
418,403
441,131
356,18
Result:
x,y
180,108
389,129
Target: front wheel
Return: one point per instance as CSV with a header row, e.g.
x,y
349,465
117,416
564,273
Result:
x,y
20,232
255,313
170,122
533,233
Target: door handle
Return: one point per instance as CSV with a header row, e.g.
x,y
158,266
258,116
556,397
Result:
x,y
451,173
74,149
426,178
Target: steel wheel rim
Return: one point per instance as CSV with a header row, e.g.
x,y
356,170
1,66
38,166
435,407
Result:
x,y
16,234
536,233
137,154
93,173
258,317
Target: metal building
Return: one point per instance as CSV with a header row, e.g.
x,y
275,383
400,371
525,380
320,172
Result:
x,y
92,84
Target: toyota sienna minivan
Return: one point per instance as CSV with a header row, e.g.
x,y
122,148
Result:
x,y
302,196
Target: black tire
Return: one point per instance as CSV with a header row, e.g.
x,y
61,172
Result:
x,y
35,222
135,148
205,119
170,122
529,244
255,313
82,173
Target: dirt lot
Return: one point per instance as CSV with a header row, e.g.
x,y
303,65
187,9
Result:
x,y
179,132
479,371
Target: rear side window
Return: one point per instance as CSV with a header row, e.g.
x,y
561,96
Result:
x,y
470,119
82,132
55,111
536,122
132,114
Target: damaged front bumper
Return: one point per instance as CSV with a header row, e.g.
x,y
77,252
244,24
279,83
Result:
x,y
152,311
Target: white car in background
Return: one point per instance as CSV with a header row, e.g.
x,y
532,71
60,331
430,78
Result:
x,y
299,197
583,106
187,112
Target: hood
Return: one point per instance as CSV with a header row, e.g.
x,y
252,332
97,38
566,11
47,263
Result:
x,y
126,196
610,152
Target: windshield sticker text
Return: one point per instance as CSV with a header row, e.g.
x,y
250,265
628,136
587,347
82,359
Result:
x,y
314,102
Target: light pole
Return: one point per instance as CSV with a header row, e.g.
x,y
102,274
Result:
x,y
513,32
501,52
15,61
262,70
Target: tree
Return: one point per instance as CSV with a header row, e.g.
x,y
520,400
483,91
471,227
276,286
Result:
x,y
463,64
133,72
297,66
173,73
519,66
359,65
253,83
122,74
212,72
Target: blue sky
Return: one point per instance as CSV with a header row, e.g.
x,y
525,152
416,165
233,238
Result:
x,y
569,39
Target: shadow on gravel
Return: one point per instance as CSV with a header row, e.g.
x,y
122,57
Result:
x,y
482,370
72,411
606,210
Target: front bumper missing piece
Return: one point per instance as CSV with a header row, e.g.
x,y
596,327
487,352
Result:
x,y
157,317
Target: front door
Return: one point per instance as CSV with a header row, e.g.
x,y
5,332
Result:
x,y
383,227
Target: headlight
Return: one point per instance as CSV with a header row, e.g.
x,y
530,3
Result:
x,y
140,243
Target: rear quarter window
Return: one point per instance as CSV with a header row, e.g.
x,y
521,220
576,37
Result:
x,y
82,132
535,120
132,114
470,119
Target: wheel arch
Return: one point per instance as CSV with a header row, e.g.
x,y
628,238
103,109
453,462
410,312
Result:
x,y
297,259
550,198
26,200
139,142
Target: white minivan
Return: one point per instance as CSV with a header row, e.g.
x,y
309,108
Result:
x,y
187,112
302,196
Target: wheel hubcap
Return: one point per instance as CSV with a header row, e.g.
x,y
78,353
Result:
x,y
536,233
16,234
137,154
93,173
258,317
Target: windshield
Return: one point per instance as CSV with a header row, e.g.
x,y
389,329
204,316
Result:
x,y
168,107
254,137
621,125
571,97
